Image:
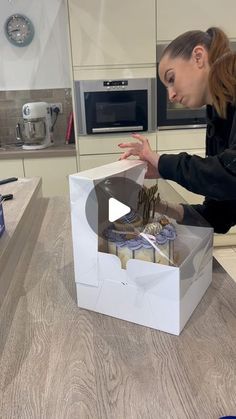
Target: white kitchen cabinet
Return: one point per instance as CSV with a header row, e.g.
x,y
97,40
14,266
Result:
x,y
191,141
89,162
11,168
181,139
108,144
111,33
174,18
188,196
228,239
54,172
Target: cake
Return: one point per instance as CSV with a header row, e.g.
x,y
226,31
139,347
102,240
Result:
x,y
147,237
155,248
129,224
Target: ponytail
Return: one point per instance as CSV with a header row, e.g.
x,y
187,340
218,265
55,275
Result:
x,y
219,44
222,75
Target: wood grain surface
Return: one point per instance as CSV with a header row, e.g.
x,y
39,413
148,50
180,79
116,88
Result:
x,y
62,362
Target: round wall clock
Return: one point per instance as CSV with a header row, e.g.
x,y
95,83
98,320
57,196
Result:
x,y
19,30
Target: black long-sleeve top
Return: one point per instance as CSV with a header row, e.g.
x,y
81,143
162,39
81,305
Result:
x,y
213,176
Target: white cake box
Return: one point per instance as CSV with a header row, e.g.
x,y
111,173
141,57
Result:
x,y
150,294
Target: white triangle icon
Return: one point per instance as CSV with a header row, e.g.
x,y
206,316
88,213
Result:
x,y
117,209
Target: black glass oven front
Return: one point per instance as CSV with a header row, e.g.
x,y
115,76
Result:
x,y
116,111
111,106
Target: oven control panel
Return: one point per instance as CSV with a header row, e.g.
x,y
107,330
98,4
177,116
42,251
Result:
x,y
115,84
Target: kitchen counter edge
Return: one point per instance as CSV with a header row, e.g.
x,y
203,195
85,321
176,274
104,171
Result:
x,y
53,151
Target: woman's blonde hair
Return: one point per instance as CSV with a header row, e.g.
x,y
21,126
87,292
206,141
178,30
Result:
x,y
222,62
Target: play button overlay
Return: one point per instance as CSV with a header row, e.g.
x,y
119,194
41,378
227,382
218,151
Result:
x,y
109,200
117,210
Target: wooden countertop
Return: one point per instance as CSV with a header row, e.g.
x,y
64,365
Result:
x,y
59,361
19,215
53,151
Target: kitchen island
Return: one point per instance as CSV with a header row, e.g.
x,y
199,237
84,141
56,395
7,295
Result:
x,y
59,361
53,164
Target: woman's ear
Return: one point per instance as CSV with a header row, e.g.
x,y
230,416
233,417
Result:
x,y
199,55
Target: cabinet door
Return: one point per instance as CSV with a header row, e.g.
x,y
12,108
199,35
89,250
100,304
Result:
x,y
107,32
11,168
89,162
181,140
108,144
176,18
188,196
54,173
228,239
174,141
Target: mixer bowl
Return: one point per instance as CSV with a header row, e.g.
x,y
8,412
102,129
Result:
x,y
34,131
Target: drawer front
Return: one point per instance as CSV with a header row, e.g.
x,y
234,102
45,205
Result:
x,y
181,140
95,144
11,168
89,162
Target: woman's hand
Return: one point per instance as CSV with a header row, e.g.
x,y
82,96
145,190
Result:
x,y
143,150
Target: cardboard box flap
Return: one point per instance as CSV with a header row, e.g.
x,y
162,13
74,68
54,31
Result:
x,y
131,168
85,253
81,186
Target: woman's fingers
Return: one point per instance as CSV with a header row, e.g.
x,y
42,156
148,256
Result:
x,y
129,153
140,149
125,155
140,137
124,145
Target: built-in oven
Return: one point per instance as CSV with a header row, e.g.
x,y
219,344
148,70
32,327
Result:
x,y
174,115
112,106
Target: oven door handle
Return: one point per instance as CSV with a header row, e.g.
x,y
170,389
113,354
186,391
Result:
x,y
117,129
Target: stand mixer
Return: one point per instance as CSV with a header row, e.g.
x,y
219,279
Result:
x,y
37,126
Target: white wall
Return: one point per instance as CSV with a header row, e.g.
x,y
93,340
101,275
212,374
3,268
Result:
x,y
45,62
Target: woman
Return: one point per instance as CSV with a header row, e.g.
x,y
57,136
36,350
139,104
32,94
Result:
x,y
198,68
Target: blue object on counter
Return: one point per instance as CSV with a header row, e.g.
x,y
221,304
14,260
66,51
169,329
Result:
x,y
10,179
2,223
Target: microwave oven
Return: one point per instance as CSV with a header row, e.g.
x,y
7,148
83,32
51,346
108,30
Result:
x,y
114,106
174,115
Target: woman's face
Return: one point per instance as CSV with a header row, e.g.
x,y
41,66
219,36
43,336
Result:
x,y
186,80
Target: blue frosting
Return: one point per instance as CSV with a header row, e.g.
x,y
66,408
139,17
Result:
x,y
134,244
120,241
145,243
169,234
169,227
161,239
110,235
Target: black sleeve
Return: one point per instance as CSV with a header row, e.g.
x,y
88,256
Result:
x,y
221,215
213,176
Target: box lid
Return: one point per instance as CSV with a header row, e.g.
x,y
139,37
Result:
x,y
121,168
81,187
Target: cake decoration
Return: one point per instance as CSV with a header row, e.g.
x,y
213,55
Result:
x,y
149,237
148,198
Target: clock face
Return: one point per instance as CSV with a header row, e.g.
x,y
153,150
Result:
x,y
19,30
